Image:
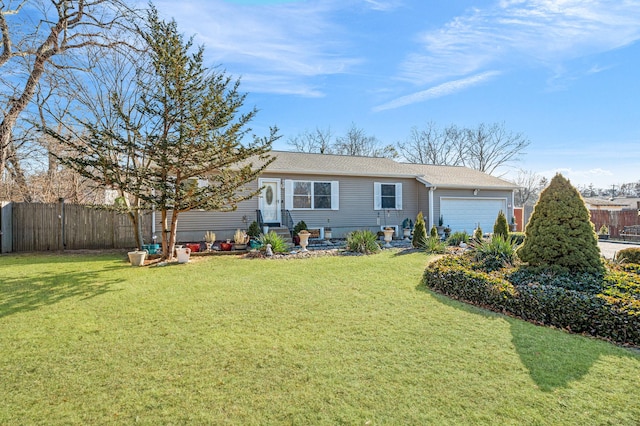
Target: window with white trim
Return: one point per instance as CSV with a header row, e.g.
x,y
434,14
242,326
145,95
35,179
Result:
x,y
387,196
311,195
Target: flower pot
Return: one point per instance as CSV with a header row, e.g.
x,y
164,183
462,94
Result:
x,y
304,239
137,257
407,233
327,234
183,254
225,246
603,236
194,247
388,236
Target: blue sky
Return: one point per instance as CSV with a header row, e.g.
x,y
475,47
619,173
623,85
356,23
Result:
x,y
565,73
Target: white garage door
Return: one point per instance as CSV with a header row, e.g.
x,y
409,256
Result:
x,y
464,214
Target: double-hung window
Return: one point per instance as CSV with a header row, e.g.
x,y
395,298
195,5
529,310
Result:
x,y
311,195
387,196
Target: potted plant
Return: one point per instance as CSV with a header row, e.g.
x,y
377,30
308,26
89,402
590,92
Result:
x,y
327,230
440,227
226,246
603,232
513,227
209,238
447,232
241,239
300,226
303,235
137,257
388,236
407,226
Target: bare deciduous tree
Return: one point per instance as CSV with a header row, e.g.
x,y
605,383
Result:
x,y
40,41
357,142
530,184
317,141
484,148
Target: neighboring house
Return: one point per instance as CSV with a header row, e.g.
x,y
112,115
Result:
x,y
604,204
347,193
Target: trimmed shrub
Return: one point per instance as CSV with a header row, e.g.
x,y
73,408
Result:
x,y
433,233
458,237
560,231
628,255
435,246
477,234
362,241
254,230
419,232
612,314
278,245
299,227
516,237
500,227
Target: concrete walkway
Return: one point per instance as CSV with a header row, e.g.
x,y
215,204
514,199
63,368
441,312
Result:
x,y
610,248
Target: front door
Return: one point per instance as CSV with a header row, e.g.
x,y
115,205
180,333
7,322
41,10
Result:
x,y
270,200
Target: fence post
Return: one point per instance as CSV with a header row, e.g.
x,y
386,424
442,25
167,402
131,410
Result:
x,y
6,227
61,224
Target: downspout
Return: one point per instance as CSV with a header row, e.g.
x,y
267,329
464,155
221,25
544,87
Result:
x,y
431,192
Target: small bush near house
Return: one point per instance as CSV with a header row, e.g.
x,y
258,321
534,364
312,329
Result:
x,y
517,237
433,233
363,241
496,253
458,237
254,230
419,232
500,226
299,227
628,255
433,245
278,245
477,234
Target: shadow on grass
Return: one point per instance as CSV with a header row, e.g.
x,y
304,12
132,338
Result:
x,y
553,358
20,294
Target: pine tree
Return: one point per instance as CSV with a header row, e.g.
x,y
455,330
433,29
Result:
x,y
433,232
419,232
500,227
560,231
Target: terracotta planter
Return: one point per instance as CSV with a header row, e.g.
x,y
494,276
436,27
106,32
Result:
x,y
225,246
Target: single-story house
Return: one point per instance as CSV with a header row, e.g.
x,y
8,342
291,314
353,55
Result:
x,y
347,193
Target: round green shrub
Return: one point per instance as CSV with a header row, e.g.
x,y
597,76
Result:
x,y
560,231
629,255
254,230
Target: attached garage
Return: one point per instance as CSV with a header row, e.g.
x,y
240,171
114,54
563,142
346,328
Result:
x,y
464,214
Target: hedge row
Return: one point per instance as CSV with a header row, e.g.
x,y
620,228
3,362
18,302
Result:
x,y
603,315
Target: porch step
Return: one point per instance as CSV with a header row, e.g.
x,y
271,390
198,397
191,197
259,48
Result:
x,y
283,232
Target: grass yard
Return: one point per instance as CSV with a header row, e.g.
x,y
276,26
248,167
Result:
x,y
87,339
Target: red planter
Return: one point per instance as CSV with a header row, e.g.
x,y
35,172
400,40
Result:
x,y
225,246
194,247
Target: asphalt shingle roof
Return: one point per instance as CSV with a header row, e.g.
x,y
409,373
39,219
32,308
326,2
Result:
x,y
343,165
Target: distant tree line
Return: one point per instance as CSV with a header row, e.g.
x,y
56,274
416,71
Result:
x,y
485,147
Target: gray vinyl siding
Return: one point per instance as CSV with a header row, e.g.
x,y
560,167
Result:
x,y
356,205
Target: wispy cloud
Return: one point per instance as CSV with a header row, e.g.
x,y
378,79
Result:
x,y
444,89
291,42
516,32
383,5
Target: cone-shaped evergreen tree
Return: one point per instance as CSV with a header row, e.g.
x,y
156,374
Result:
x,y
500,226
560,231
419,232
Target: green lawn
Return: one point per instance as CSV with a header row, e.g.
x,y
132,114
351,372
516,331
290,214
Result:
x,y
331,340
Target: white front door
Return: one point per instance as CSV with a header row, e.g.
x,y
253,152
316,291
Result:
x,y
270,200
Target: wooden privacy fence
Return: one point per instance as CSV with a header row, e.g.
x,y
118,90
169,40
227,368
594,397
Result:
x,y
615,220
60,226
